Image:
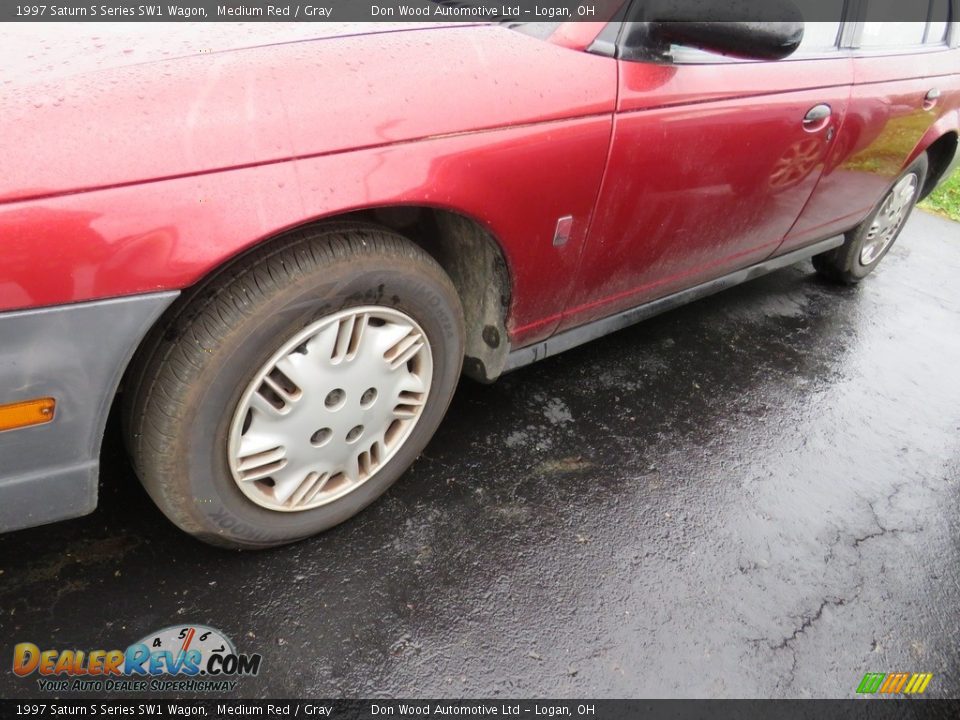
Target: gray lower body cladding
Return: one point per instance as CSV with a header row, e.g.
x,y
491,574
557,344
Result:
x,y
76,354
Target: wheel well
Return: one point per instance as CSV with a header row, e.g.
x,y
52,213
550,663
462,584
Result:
x,y
939,155
464,249
475,262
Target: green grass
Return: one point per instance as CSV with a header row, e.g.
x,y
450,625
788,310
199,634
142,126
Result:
x,y
946,200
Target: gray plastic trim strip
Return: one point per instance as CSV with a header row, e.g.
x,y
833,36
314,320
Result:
x,y
598,328
76,354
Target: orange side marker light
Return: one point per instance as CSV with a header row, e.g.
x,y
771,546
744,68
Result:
x,y
27,413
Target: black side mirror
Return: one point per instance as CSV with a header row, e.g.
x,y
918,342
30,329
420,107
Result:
x,y
751,29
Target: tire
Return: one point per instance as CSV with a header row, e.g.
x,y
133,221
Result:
x,y
202,387
866,245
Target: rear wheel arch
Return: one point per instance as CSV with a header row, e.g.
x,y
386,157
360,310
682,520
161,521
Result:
x,y
865,245
940,155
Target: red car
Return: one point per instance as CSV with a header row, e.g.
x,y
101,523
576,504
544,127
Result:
x,y
285,246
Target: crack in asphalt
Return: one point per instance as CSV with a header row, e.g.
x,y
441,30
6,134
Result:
x,y
881,528
808,619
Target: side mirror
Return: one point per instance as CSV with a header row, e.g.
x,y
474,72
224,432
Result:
x,y
751,29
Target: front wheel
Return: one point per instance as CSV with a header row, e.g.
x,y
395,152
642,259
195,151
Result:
x,y
867,243
294,388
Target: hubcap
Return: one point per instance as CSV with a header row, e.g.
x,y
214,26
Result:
x,y
889,220
330,408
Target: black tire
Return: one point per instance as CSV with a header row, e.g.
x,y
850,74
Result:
x,y
843,264
189,376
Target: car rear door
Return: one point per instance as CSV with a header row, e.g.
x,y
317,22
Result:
x,y
905,78
710,164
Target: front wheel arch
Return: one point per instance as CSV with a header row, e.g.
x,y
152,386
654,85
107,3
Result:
x,y
187,380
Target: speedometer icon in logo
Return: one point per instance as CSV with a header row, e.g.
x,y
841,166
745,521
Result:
x,y
181,639
189,650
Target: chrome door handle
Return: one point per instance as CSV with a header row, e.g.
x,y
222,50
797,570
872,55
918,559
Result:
x,y
930,99
817,117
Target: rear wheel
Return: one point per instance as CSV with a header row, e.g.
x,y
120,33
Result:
x,y
295,387
867,243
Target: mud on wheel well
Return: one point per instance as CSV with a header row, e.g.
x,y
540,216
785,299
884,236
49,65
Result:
x,y
939,155
475,263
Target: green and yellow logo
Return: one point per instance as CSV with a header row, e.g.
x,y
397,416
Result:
x,y
894,683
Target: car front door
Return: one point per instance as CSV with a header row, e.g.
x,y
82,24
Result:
x,y
711,162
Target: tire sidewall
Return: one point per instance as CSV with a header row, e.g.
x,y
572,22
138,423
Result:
x,y
856,268
219,505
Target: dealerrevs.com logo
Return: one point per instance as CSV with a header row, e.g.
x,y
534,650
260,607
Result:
x,y
179,658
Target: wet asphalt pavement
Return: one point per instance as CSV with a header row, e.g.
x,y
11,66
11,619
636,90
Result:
x,y
756,495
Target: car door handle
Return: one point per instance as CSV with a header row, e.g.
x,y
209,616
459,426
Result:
x,y
817,117
933,94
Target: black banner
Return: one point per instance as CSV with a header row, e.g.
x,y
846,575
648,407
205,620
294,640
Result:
x,y
446,10
526,709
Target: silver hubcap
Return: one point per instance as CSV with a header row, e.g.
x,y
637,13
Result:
x,y
330,408
889,220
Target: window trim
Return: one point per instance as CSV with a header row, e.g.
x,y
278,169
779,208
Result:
x,y
949,42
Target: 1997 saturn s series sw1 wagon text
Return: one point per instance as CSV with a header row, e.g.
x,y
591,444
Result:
x,y
280,255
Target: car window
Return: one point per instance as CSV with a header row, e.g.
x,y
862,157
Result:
x,y
887,34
